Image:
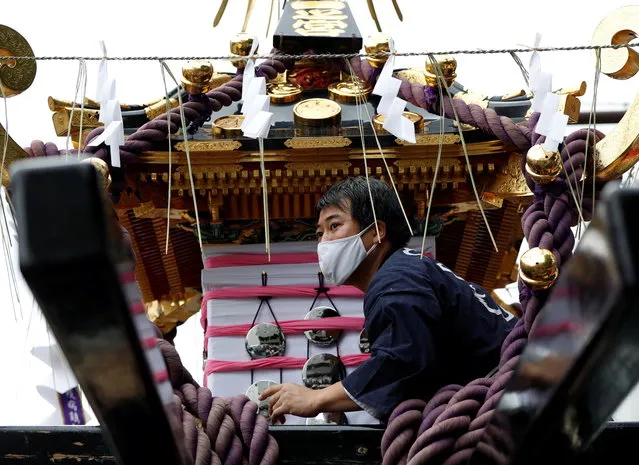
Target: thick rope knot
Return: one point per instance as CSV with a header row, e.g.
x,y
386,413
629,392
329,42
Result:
x,y
196,442
448,422
403,425
253,429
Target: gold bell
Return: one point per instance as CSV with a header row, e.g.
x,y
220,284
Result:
x,y
543,165
377,43
448,66
102,168
241,46
538,268
197,77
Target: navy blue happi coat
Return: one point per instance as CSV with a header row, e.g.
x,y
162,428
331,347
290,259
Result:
x,y
427,328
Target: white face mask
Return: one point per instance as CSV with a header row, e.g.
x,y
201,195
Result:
x,y
338,259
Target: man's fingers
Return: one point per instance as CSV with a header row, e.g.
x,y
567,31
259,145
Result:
x,y
268,392
278,413
273,401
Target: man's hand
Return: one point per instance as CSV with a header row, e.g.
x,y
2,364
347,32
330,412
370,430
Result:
x,y
289,398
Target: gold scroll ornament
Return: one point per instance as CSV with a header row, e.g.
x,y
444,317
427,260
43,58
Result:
x,y
15,77
619,151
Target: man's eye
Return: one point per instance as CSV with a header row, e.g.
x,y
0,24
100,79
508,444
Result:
x,y
318,235
334,226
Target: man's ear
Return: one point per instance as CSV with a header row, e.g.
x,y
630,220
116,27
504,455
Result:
x,y
381,227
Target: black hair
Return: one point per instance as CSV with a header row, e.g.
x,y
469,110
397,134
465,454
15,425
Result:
x,y
351,195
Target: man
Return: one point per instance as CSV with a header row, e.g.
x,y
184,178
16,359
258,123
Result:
x,y
427,326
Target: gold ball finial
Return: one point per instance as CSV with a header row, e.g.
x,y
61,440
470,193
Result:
x,y
241,46
538,268
377,43
543,165
197,76
102,168
448,66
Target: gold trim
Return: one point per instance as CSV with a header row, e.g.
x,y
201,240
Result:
x,y
446,165
210,170
317,142
322,168
431,139
209,146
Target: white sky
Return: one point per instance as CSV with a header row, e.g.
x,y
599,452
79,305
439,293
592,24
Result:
x,y
161,28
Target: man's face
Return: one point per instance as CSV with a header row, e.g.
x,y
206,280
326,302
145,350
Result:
x,y
335,223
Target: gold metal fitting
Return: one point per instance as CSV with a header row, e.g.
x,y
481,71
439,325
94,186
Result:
x,y
241,46
229,127
349,91
102,168
317,112
543,165
448,66
57,104
196,77
538,268
377,43
283,92
569,104
415,118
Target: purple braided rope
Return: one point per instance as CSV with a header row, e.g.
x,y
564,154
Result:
x,y
486,119
455,419
235,433
197,110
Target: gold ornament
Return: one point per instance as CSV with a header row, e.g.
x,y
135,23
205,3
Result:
x,y
538,268
448,66
415,118
283,92
543,165
377,43
317,112
349,91
102,168
241,46
197,77
228,127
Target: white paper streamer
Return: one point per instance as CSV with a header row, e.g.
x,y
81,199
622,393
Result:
x,y
391,106
110,113
256,104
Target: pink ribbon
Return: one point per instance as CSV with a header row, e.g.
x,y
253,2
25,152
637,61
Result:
x,y
222,366
224,261
345,323
232,293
